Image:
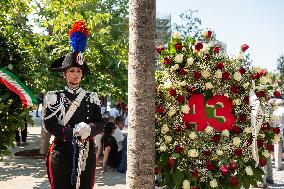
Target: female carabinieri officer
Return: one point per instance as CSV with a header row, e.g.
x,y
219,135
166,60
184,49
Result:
x,y
72,116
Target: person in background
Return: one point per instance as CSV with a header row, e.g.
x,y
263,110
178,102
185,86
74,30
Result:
x,y
111,156
22,134
113,111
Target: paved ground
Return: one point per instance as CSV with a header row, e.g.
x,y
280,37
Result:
x,y
16,173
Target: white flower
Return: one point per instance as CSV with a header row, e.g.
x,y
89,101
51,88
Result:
x,y
237,102
183,49
193,153
208,85
185,109
183,83
208,130
186,184
213,183
248,130
265,153
175,67
226,133
163,148
205,73
164,128
256,68
205,48
273,117
168,84
189,62
171,112
219,152
179,58
245,85
249,171
240,56
176,35
261,135
276,138
237,141
218,74
263,80
192,135
237,76
168,139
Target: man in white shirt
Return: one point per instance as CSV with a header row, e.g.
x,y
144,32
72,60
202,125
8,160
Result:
x,y
117,133
113,111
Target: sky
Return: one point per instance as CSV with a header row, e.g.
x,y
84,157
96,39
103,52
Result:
x,y
258,23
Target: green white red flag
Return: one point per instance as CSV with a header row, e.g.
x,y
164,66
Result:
x,y
16,86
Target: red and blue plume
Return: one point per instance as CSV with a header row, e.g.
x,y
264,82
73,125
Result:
x,y
78,36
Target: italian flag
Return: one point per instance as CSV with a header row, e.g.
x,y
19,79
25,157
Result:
x,y
16,86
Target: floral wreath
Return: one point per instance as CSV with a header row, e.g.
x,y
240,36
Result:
x,y
204,132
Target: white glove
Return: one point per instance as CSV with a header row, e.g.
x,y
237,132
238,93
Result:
x,y
82,129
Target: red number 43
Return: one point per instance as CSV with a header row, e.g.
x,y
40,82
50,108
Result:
x,y
199,117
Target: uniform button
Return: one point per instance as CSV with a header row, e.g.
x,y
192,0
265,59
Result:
x,y
88,105
88,111
87,117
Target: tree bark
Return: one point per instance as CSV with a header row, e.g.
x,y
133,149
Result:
x,y
141,95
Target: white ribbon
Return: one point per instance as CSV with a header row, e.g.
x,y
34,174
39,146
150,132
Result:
x,y
257,116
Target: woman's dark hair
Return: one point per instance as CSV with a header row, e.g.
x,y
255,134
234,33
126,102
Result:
x,y
108,128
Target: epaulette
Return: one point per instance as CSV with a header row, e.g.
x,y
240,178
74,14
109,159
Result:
x,y
52,97
94,98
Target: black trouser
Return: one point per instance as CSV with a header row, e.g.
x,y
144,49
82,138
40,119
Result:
x,y
59,166
23,133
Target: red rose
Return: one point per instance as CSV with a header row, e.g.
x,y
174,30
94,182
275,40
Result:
x,y
265,127
216,50
186,125
179,149
220,66
242,117
263,72
249,141
195,173
198,46
244,47
167,61
255,76
215,138
242,70
234,181
197,75
262,162
170,163
209,34
225,75
260,94
210,166
191,90
236,130
276,94
177,128
238,152
160,49
232,166
259,142
276,130
159,109
224,170
182,72
206,56
178,46
235,89
172,92
246,99
270,147
157,170
207,152
180,99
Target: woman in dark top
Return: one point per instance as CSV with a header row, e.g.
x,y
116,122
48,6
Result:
x,y
110,148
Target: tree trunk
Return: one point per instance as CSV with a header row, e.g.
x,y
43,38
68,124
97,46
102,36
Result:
x,y
141,95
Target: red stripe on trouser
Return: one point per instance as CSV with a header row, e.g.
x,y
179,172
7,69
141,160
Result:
x,y
50,166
